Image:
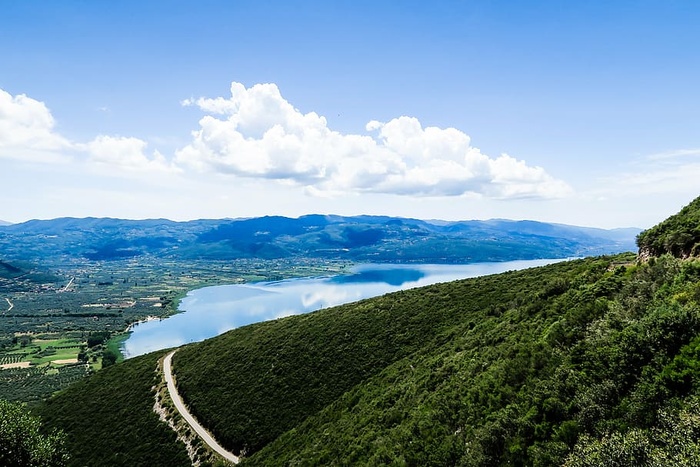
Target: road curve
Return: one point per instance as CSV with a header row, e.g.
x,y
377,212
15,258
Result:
x,y
180,406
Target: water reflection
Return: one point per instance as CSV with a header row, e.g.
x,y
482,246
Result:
x,y
211,311
392,276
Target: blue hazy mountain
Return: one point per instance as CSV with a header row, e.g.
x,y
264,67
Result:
x,y
358,238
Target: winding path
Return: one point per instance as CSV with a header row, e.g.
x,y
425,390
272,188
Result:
x,y
180,406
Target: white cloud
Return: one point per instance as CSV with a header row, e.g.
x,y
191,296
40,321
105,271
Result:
x,y
127,154
256,133
675,153
27,130
669,172
681,178
27,133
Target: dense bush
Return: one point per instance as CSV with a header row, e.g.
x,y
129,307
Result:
x,y
254,383
23,445
679,235
528,385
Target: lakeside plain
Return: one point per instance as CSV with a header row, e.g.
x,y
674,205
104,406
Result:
x,y
51,323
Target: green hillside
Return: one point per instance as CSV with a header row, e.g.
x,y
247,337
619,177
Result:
x,y
109,418
505,370
289,369
679,235
581,363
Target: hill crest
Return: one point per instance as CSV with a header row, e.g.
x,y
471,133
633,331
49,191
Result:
x,y
679,235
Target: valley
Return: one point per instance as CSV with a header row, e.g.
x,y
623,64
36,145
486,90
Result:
x,y
584,362
72,301
301,234
80,278
210,311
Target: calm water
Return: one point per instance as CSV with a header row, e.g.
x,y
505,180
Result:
x,y
211,311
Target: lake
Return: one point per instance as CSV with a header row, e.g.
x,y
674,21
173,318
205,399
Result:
x,y
211,311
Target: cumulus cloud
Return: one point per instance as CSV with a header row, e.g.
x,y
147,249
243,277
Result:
x,y
127,154
257,133
27,130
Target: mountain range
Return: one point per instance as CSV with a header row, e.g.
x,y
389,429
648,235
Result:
x,y
359,238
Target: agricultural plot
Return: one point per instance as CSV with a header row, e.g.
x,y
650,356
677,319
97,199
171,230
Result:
x,y
36,383
8,360
110,295
37,366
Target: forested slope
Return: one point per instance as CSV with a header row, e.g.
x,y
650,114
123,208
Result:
x,y
599,351
252,384
517,369
679,235
109,419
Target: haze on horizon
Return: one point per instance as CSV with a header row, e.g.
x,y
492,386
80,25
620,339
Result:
x,y
583,115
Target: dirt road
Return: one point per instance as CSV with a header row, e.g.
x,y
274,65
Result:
x,y
199,429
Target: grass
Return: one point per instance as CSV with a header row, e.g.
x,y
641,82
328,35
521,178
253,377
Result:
x,y
60,342
54,357
42,350
115,345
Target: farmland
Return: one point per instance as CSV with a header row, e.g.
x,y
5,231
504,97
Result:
x,y
62,321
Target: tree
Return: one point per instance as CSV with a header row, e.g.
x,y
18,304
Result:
x,y
23,445
109,358
674,442
97,338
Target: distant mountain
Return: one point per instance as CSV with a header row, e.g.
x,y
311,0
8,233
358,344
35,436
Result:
x,y
9,270
359,238
2,222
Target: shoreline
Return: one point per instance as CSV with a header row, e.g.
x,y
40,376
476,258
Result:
x,y
173,308
298,297
147,319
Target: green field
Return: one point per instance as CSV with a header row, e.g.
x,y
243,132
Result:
x,y
42,349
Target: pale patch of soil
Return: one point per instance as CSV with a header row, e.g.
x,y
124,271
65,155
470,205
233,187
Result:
x,y
15,365
65,361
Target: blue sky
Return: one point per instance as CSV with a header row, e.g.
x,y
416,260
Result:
x,y
575,112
